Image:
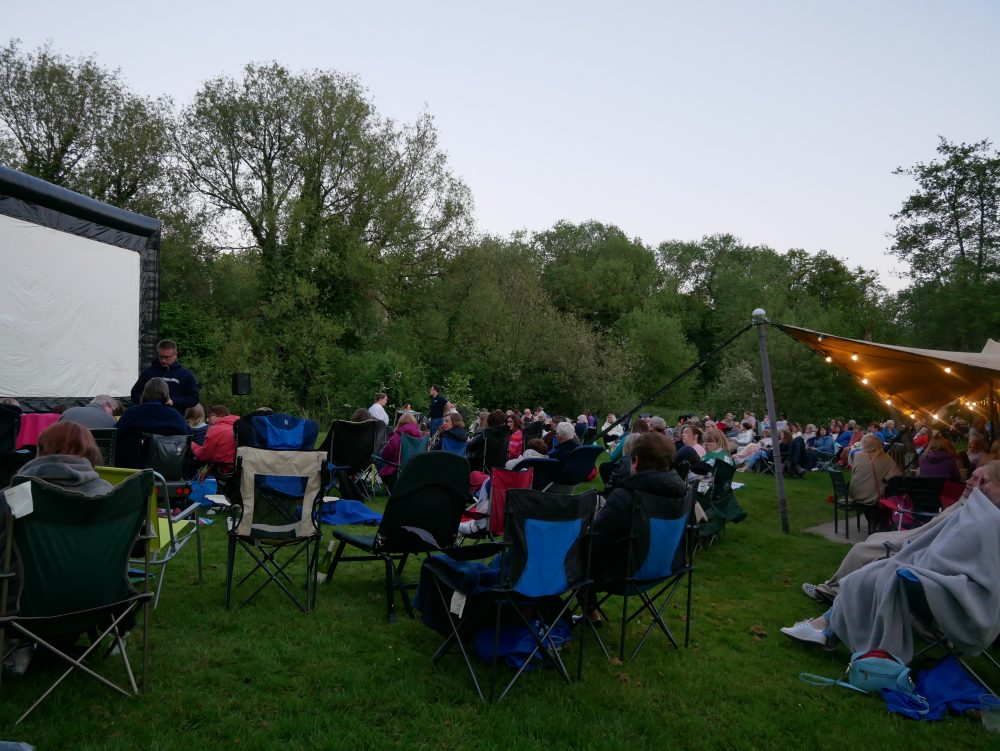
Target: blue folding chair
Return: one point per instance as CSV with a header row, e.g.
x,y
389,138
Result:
x,y
657,560
453,445
543,569
576,469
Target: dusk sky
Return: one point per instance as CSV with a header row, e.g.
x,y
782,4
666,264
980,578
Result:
x,y
779,122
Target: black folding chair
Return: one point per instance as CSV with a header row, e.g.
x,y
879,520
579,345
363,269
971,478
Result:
x,y
656,562
105,440
169,457
841,502
351,449
421,515
543,570
10,459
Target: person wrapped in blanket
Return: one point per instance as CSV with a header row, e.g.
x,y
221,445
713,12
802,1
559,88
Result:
x,y
67,455
955,559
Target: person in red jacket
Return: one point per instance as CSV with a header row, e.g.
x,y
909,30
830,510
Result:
x,y
219,448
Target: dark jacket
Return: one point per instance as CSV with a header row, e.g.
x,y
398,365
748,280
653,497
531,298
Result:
x,y
611,527
939,463
180,380
455,434
563,450
152,417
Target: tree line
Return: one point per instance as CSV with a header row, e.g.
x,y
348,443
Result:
x,y
331,252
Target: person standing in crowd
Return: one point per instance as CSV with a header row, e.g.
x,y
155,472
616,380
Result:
x,y
181,381
377,410
435,412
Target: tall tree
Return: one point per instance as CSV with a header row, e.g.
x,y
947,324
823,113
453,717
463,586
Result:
x,y
949,229
76,124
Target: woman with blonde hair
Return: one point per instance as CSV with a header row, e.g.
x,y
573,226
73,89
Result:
x,y
716,445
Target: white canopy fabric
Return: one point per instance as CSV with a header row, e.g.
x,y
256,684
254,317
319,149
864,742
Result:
x,y
917,382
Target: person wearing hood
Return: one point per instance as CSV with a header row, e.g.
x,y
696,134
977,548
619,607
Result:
x,y
66,457
652,473
181,381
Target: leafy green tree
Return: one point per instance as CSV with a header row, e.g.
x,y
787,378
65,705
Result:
x,y
595,272
73,123
949,228
948,231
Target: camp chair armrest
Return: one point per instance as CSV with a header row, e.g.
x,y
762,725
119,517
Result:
x,y
476,552
473,514
193,508
7,574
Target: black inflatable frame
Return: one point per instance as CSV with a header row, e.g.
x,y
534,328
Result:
x,y
33,200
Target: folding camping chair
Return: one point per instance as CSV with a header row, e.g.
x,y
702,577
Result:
x,y
410,447
544,470
543,569
657,561
421,515
350,449
277,510
501,481
105,440
721,506
924,499
575,469
11,459
178,519
497,445
920,609
63,589
453,446
842,503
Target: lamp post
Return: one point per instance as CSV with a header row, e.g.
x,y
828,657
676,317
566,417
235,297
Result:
x,y
760,321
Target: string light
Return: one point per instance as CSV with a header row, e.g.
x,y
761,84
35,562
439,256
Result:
x,y
947,370
864,381
829,359
854,357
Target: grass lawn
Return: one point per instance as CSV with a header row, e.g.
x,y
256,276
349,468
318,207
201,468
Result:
x,y
268,676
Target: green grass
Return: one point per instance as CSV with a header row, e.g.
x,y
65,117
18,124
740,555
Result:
x,y
268,676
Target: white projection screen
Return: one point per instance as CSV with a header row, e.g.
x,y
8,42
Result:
x,y
79,294
69,313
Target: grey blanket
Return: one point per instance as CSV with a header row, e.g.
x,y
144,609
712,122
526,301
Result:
x,y
958,564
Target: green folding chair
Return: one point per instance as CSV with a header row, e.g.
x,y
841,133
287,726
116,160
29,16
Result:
x,y
71,576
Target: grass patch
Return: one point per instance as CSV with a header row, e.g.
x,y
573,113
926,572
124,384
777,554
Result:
x,y
268,676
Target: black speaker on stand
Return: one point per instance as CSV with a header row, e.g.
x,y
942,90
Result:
x,y
241,388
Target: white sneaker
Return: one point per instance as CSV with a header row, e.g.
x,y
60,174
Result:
x,y
805,631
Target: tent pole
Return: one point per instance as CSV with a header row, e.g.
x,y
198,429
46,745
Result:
x,y
760,321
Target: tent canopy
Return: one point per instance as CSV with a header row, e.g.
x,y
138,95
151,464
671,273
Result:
x,y
918,382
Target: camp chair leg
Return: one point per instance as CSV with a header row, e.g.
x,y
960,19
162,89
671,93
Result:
x,y
230,561
625,620
197,540
390,605
78,662
145,645
268,557
454,638
496,650
401,585
336,559
687,612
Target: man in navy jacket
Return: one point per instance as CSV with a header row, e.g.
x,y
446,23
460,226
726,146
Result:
x,y
181,381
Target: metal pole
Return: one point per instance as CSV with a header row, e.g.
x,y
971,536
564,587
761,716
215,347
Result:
x,y
760,321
